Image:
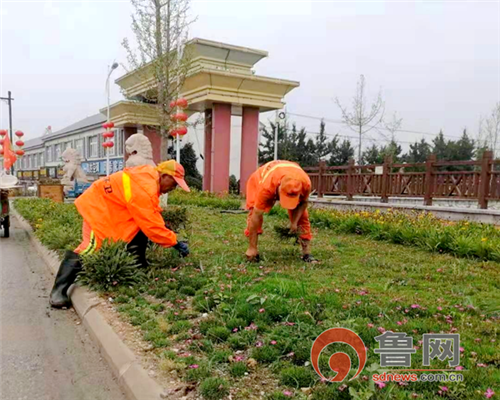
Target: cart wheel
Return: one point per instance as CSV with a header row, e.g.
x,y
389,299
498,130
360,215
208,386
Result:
x,y
6,227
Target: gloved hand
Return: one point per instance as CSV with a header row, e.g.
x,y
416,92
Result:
x,y
182,248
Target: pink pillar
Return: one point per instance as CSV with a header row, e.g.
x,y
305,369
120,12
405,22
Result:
x,y
207,169
249,145
221,145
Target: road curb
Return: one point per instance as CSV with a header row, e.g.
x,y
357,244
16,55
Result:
x,y
125,366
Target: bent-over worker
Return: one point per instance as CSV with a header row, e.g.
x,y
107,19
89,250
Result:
x,y
124,206
288,182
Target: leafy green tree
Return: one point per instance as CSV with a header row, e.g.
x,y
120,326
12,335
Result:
x,y
418,153
440,147
188,161
372,155
340,153
392,149
321,146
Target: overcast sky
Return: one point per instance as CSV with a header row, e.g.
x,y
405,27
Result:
x,y
437,63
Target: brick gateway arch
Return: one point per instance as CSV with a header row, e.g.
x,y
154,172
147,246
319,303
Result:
x,y
221,84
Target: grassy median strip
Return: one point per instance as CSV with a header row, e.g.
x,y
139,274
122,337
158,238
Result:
x,y
227,326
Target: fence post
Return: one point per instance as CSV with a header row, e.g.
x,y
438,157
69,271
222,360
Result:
x,y
429,179
384,198
321,173
484,181
350,179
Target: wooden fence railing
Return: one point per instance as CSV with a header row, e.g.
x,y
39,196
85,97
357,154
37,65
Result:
x,y
478,180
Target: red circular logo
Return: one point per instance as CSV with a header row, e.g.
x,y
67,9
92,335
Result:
x,y
339,362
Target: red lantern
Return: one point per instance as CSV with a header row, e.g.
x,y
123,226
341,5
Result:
x,y
108,134
19,134
181,117
110,144
20,152
182,103
1,152
111,125
108,125
172,104
182,130
20,143
2,141
3,132
174,132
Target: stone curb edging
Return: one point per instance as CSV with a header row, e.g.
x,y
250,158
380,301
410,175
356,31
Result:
x,y
125,366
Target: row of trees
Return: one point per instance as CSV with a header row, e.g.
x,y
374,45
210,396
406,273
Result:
x,y
296,145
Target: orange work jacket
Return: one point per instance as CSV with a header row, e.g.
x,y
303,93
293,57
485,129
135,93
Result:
x,y
263,184
118,206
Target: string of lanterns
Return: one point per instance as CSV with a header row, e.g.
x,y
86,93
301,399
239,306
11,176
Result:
x,y
179,117
108,135
19,142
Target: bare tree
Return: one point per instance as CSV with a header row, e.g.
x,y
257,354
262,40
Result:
x,y
161,29
393,126
362,118
489,130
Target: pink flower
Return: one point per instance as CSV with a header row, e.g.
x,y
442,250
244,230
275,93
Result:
x,y
444,388
337,290
273,342
239,358
380,385
489,393
291,354
287,393
251,327
415,306
194,366
262,310
370,325
342,387
403,383
477,340
289,323
380,329
481,365
459,368
259,344
235,330
156,279
462,349
399,323
440,308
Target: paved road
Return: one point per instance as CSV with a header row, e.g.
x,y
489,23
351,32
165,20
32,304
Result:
x,y
45,354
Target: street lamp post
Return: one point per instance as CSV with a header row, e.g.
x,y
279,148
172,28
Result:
x,y
111,69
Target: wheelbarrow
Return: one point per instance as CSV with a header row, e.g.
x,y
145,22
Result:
x,y
4,212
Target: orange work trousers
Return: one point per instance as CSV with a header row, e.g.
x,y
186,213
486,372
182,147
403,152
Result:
x,y
90,243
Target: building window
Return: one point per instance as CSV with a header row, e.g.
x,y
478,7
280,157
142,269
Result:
x,y
49,153
68,145
79,147
41,162
58,152
93,149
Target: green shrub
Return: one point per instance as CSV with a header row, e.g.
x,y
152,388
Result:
x,y
208,323
214,388
187,290
218,333
297,377
110,267
176,218
220,356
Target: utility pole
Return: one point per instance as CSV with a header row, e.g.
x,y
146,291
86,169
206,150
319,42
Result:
x,y
9,102
277,124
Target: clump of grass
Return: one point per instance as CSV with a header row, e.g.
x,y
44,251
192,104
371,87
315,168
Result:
x,y
214,388
297,377
197,372
180,327
220,356
218,333
110,267
238,369
284,233
265,354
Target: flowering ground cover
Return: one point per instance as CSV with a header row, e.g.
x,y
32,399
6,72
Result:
x,y
229,328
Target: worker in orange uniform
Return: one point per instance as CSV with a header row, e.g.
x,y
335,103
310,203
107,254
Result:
x,y
288,182
124,206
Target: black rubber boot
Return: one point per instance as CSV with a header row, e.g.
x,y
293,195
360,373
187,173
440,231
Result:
x,y
66,276
138,246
